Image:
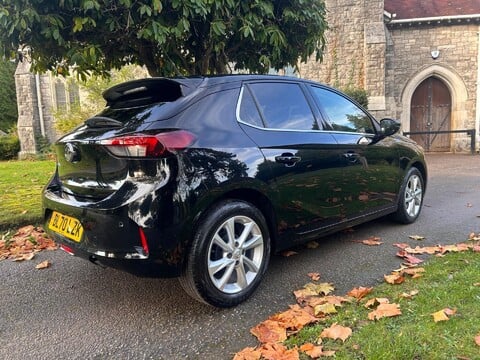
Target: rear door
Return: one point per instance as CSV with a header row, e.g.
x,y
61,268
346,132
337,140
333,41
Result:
x,y
300,165
371,172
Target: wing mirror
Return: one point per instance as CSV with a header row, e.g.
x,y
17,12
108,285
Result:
x,y
389,127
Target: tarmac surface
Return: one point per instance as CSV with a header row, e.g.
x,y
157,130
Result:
x,y
75,310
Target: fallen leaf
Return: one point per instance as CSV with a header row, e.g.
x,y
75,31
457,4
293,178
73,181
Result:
x,y
477,339
371,241
324,309
314,351
401,245
360,292
394,279
409,295
449,312
278,352
314,276
413,271
269,331
336,332
289,253
376,301
249,353
440,316
320,289
385,310
312,245
417,237
294,318
43,265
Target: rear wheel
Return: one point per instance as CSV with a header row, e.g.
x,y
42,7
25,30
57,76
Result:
x,y
229,255
410,198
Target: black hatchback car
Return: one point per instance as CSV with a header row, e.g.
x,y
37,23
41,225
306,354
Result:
x,y
204,177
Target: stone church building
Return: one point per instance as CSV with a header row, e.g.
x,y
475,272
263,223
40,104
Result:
x,y
418,60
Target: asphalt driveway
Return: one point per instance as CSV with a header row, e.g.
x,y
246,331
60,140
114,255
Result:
x,y
76,310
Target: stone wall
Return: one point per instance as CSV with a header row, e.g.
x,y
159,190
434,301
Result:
x,y
355,52
456,65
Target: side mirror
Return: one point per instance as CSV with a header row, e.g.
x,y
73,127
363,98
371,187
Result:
x,y
389,127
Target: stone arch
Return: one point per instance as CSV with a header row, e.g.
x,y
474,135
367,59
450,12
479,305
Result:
x,y
454,83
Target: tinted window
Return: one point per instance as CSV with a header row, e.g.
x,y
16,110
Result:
x,y
342,114
248,110
284,106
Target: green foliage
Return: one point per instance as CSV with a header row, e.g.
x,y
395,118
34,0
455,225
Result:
x,y
9,146
66,119
169,37
359,95
8,99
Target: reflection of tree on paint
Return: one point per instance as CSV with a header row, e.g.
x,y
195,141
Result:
x,y
215,167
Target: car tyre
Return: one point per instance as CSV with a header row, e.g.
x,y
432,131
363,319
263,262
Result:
x,y
229,254
410,198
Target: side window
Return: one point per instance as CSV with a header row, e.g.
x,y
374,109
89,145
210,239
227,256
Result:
x,y
284,106
342,114
248,111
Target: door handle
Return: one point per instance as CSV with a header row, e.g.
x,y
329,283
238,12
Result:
x,y
288,159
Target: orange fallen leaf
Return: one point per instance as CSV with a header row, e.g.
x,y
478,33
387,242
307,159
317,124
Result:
x,y
43,265
249,353
294,318
269,331
394,279
336,332
360,292
385,310
314,276
409,295
376,301
314,351
289,253
278,352
477,339
371,241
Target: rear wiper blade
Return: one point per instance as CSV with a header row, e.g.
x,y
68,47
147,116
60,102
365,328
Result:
x,y
102,122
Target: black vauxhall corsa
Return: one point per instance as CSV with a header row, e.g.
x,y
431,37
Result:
x,y
203,177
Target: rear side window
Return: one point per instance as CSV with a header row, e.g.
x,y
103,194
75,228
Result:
x,y
341,113
281,105
248,110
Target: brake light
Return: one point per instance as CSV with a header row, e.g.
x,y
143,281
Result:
x,y
142,145
143,241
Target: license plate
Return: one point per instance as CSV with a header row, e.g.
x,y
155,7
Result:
x,y
66,226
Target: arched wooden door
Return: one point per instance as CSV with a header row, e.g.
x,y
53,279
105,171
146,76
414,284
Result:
x,y
431,111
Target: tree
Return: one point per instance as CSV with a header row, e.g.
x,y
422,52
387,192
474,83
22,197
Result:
x,y
169,37
8,99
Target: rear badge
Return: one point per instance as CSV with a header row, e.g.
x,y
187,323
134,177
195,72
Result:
x,y
72,153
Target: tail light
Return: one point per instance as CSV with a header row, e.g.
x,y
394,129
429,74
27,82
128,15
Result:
x,y
149,146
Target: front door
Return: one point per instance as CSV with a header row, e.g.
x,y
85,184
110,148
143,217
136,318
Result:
x,y
430,111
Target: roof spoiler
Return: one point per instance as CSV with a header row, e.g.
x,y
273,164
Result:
x,y
147,90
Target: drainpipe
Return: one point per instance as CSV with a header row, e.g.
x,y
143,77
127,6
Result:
x,y
39,104
477,117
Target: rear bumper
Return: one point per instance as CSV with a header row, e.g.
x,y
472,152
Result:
x,y
112,236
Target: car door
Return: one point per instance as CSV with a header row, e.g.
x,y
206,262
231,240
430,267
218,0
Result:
x,y
300,167
371,171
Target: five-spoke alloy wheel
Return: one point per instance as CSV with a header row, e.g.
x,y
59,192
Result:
x,y
410,197
229,254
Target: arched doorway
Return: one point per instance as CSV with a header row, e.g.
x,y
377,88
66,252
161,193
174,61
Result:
x,y
430,110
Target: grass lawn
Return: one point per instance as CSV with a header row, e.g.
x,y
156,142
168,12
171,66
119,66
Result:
x,y
450,282
21,184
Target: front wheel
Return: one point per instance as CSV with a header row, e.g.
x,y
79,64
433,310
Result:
x,y
229,255
410,198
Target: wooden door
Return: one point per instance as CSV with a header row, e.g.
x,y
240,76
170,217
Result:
x,y
431,111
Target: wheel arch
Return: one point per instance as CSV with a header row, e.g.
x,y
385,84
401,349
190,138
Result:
x,y
255,198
